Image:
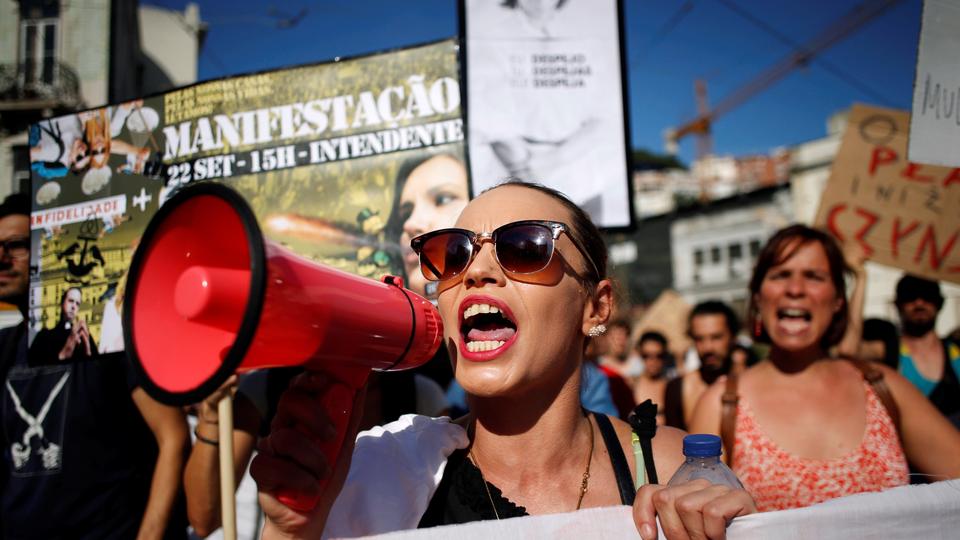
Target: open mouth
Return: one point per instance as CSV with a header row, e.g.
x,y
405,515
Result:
x,y
486,327
794,319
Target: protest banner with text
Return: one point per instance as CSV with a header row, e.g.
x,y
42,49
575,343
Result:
x,y
903,214
317,151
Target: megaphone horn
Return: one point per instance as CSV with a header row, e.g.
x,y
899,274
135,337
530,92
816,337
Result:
x,y
207,296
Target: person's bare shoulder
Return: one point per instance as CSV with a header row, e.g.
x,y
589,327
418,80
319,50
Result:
x,y
757,375
715,390
668,451
667,447
900,387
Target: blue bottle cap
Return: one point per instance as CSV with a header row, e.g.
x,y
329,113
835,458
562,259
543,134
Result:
x,y
701,445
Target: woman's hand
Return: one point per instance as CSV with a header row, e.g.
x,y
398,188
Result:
x,y
305,459
694,510
855,255
207,410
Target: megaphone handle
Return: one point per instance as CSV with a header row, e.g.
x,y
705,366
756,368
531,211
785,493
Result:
x,y
228,481
338,405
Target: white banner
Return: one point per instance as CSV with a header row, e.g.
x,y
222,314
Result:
x,y
935,122
923,511
545,100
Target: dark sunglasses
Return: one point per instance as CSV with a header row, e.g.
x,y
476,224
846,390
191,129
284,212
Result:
x,y
928,298
16,247
521,247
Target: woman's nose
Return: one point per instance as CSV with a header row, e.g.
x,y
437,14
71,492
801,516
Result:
x,y
795,286
417,223
484,268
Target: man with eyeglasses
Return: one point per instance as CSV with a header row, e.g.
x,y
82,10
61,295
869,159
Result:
x,y
84,452
713,328
931,364
15,254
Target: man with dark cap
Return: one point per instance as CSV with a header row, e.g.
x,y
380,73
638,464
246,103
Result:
x,y
931,364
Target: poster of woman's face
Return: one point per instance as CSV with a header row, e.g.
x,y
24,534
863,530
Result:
x,y
431,192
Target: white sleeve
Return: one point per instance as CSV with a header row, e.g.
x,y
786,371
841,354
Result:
x,y
430,398
394,473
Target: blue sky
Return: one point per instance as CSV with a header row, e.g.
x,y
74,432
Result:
x,y
669,44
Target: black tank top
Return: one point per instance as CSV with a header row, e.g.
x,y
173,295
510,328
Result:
x,y
462,497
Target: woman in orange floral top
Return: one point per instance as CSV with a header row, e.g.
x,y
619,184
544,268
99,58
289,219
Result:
x,y
809,428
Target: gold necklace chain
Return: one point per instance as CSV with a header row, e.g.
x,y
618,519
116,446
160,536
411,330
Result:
x,y
583,484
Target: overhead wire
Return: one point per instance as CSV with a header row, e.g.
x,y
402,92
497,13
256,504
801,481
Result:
x,y
664,30
825,64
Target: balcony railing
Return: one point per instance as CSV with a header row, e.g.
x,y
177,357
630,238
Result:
x,y
38,84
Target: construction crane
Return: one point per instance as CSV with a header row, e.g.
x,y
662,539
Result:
x,y
801,56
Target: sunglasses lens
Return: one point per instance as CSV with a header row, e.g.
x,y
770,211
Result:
x,y
524,249
445,255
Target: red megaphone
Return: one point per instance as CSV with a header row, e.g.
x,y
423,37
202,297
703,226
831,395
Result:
x,y
207,296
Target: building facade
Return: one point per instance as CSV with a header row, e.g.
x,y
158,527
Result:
x,y
714,248
58,57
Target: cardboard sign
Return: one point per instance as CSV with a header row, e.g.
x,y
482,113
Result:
x,y
667,315
904,214
935,128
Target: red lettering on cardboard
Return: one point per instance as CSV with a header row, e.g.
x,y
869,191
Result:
x,y
897,234
936,256
881,156
910,172
832,221
952,178
871,220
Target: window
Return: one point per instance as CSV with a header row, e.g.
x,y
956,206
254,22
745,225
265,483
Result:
x,y
735,261
715,254
698,257
38,50
735,251
754,248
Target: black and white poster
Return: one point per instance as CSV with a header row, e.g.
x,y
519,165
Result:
x,y
545,100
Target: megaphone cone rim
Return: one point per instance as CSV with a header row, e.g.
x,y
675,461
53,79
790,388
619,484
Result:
x,y
255,297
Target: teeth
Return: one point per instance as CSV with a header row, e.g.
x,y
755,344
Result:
x,y
476,309
794,312
480,346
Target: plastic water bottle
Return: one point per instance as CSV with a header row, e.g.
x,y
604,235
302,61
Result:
x,y
703,461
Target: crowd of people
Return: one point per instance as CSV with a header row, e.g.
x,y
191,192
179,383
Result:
x,y
537,404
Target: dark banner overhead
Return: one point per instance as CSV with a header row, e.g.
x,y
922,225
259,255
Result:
x,y
322,153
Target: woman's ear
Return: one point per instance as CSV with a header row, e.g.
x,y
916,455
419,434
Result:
x,y
598,309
